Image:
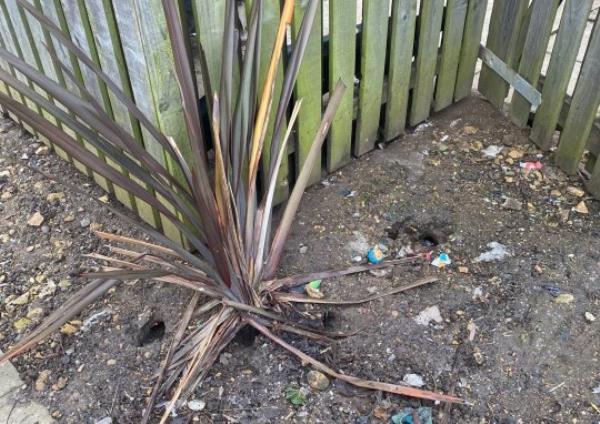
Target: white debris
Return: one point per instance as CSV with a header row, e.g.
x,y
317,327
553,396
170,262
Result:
x,y
196,405
492,151
596,390
496,252
422,127
429,314
414,380
105,420
93,318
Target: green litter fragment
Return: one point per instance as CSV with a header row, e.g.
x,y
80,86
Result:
x,y
295,396
315,284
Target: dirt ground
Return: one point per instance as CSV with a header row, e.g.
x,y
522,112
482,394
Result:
x,y
516,338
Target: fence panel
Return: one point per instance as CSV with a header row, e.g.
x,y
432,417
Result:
x,y
564,55
342,58
429,38
538,35
403,22
372,66
456,12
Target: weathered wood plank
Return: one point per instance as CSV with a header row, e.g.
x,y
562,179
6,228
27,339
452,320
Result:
x,y
403,23
584,107
429,38
110,56
593,184
372,67
512,78
74,26
536,43
456,12
309,89
564,55
209,16
342,58
469,51
507,17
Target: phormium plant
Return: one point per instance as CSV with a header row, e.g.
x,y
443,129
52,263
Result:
x,y
226,219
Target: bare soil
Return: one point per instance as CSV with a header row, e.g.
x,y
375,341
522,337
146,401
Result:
x,y
506,343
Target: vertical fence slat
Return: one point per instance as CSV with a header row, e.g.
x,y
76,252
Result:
x,y
536,43
209,16
429,39
342,57
583,110
11,41
470,48
372,68
456,12
74,27
594,183
44,64
401,53
309,89
111,59
505,25
564,55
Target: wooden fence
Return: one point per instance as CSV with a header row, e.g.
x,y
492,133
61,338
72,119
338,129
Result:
x,y
518,45
404,59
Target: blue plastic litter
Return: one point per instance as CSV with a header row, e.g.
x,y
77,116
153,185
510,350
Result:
x,y
375,255
406,416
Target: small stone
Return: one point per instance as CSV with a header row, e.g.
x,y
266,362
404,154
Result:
x,y
512,204
4,175
6,195
196,405
429,314
463,269
48,289
575,191
468,129
104,199
45,229
56,414
40,382
64,283
69,329
36,220
105,420
55,197
478,356
564,298
225,358
555,193
303,249
69,218
315,293
60,384
95,226
21,324
23,299
317,380
581,208
589,317
41,151
35,313
516,154
84,223
414,380
111,362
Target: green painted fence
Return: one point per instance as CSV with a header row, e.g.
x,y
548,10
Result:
x,y
402,60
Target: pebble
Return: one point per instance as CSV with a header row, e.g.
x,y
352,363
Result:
x,y
468,129
45,229
21,324
35,313
69,329
512,204
69,218
60,384
575,191
85,222
41,151
111,362
429,314
40,382
35,220
414,380
564,298
303,249
196,405
23,299
317,380
55,197
105,420
581,208
589,317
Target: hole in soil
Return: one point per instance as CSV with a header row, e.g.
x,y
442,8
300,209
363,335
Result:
x,y
246,336
153,330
